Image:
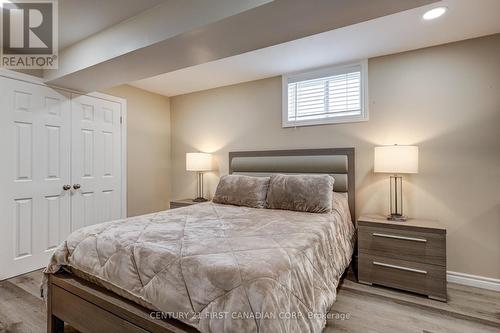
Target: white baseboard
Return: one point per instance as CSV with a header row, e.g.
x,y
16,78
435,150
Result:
x,y
473,280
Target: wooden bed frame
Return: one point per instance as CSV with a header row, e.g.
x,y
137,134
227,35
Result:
x,y
90,308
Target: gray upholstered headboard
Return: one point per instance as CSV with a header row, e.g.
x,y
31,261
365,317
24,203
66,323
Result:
x,y
338,162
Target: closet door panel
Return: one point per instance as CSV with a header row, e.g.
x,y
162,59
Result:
x,y
49,140
35,141
96,161
111,179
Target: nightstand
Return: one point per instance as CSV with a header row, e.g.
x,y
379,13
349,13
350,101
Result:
x,y
182,203
407,255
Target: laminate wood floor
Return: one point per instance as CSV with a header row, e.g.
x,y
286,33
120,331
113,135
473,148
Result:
x,y
358,308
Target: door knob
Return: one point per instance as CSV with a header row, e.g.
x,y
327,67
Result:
x,y
66,187
77,186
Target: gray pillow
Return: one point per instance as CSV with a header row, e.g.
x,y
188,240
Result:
x,y
242,191
304,193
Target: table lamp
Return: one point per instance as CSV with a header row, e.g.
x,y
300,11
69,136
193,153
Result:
x,y
199,162
396,160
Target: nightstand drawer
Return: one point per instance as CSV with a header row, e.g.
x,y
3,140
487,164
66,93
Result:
x,y
422,247
182,203
412,276
178,205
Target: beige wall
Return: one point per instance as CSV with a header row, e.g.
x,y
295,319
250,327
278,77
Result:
x,y
444,99
148,150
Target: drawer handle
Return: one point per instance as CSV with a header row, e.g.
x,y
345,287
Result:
x,y
400,267
421,240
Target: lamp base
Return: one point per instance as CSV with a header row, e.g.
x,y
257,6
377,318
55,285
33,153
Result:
x,y
397,218
199,199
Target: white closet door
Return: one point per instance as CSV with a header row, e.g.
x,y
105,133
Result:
x,y
35,145
96,161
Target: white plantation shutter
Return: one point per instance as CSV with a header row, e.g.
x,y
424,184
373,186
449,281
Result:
x,y
326,96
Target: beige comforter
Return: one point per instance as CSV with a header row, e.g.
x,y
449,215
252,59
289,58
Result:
x,y
221,268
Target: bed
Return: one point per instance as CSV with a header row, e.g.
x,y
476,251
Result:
x,y
211,267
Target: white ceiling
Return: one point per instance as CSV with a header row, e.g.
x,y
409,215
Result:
x,y
183,33
78,19
387,35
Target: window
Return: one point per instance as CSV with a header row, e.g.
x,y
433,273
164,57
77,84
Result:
x,y
326,96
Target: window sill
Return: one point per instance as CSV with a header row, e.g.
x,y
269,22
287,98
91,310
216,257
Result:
x,y
328,121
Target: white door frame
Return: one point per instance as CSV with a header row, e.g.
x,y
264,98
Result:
x,y
36,80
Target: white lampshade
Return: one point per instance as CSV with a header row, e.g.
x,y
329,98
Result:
x,y
198,162
396,159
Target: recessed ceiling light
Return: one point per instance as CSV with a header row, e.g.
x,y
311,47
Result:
x,y
434,13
